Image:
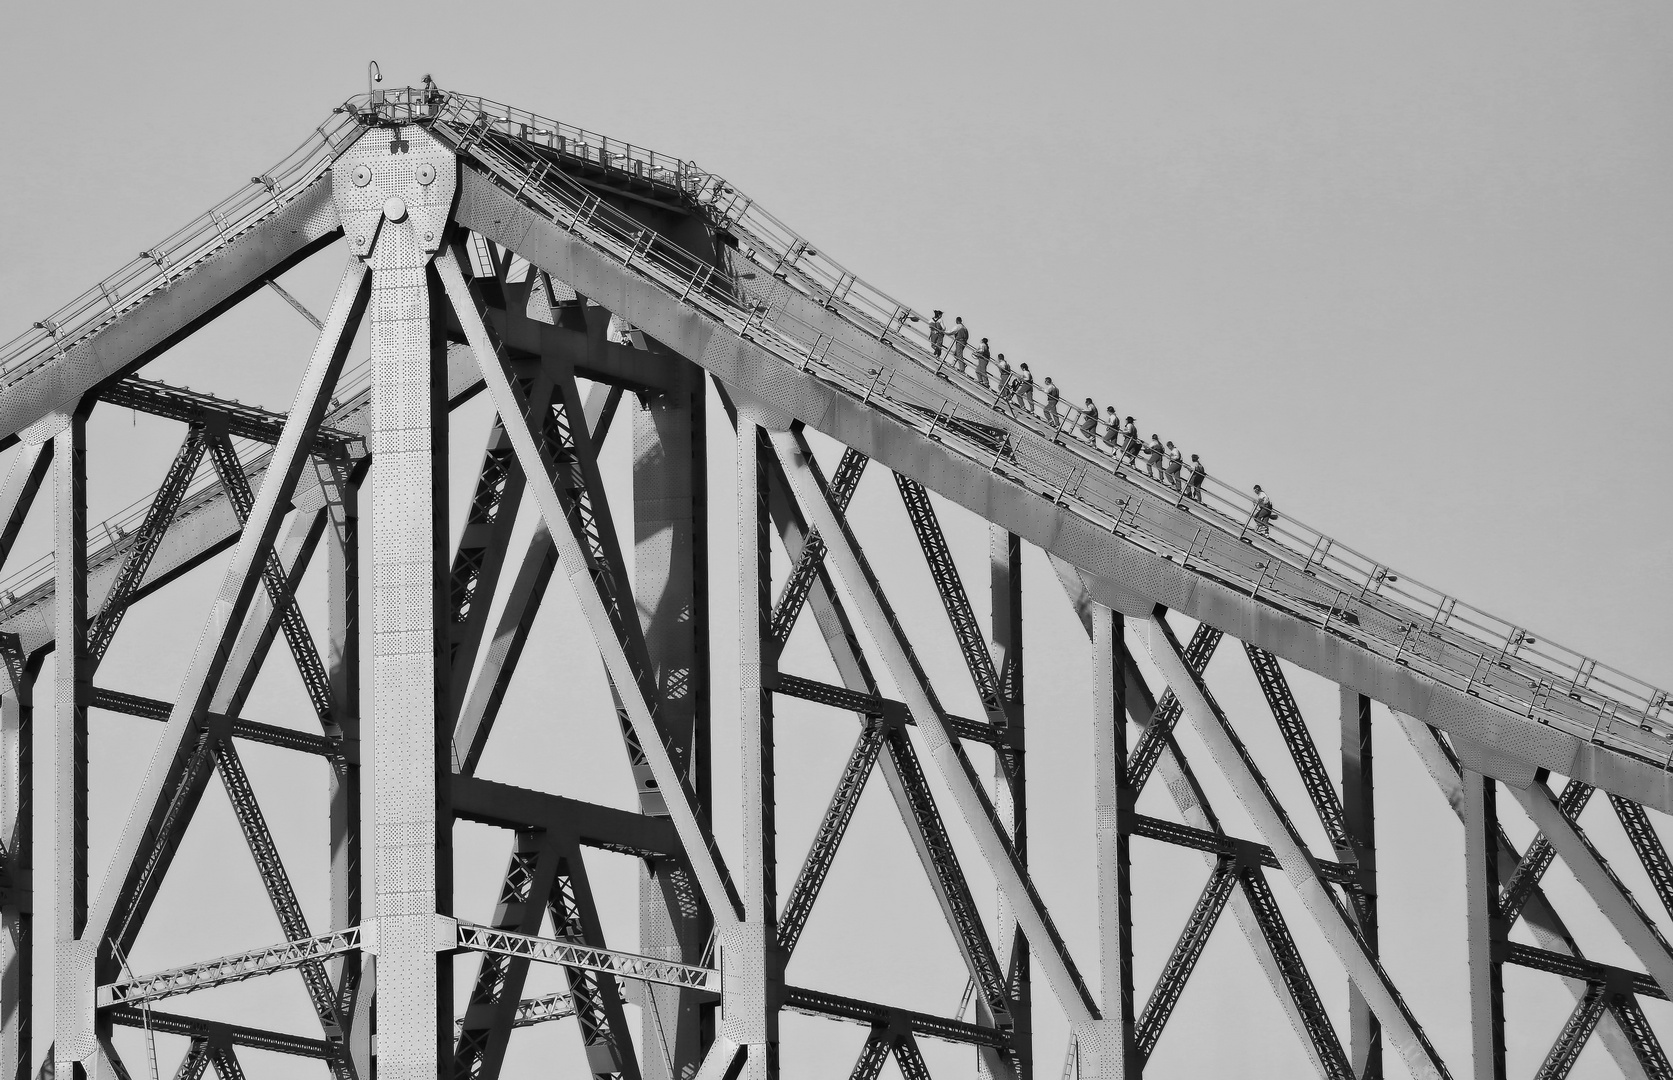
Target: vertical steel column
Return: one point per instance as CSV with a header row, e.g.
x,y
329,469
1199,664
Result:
x,y
1010,788
75,1042
1108,1049
409,670
342,552
670,557
1481,893
751,972
17,826
1365,1050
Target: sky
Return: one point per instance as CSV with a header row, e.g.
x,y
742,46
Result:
x,y
1405,266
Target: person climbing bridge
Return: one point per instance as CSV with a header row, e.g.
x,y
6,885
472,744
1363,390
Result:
x,y
1089,422
961,338
1198,475
982,358
1002,388
1265,515
1025,389
1130,442
1054,415
1112,431
1153,458
1175,462
936,333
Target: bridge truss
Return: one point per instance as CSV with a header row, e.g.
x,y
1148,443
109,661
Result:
x,y
585,286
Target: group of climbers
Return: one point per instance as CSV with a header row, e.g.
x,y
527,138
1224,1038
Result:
x,y
1014,392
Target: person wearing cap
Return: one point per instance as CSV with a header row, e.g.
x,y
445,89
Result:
x,y
1130,442
1089,422
961,338
1198,475
1053,415
936,333
982,357
1175,462
1112,431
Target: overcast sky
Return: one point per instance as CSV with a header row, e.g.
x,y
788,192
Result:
x,y
1407,267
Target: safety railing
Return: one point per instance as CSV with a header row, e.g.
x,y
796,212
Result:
x,y
178,253
1287,564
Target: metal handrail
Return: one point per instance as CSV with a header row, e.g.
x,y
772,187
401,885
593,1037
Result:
x,y
1306,572
177,254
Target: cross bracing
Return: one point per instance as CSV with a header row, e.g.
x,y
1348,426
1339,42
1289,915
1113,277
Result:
x,y
579,284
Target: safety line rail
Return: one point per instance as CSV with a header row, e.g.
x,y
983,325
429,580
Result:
x,y
1311,576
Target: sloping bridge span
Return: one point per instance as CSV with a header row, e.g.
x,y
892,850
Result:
x,y
697,271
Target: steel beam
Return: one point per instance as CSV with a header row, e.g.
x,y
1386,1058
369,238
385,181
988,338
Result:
x,y
342,549
1359,821
244,421
1572,1038
485,1029
671,586
750,959
1113,1047
17,829
29,468
412,841
306,222
1204,640
146,540
174,780
1006,720
901,770
568,954
810,561
1485,926
75,1038
193,1027
1538,915
1299,866
1648,845
595,993
603,599
834,1006
285,738
1600,882
280,589
1193,807
487,689
828,837
222,970
1537,859
884,629
321,993
1187,950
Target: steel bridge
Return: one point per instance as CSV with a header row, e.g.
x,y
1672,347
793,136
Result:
x,y
495,252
